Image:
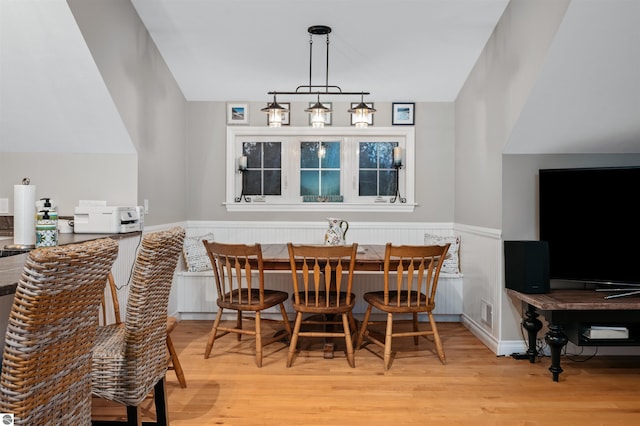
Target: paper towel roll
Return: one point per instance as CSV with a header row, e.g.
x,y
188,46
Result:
x,y
24,215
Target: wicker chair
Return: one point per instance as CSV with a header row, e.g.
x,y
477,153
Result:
x,y
130,358
319,291
410,281
233,267
173,360
46,366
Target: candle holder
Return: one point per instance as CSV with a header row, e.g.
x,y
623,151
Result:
x,y
397,166
242,168
242,195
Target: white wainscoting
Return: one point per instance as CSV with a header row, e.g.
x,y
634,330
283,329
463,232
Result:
x,y
196,290
197,294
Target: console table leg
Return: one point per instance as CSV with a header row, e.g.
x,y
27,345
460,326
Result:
x,y
533,325
556,339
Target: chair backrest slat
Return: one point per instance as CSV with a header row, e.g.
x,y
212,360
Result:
x,y
321,269
416,270
234,266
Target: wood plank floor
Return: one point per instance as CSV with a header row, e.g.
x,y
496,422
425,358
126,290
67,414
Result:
x,y
474,388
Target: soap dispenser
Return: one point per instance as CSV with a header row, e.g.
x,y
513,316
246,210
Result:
x,y
46,224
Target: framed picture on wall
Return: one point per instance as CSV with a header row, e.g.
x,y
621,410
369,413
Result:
x,y
403,114
237,113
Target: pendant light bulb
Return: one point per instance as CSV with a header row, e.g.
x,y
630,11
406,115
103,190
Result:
x,y
318,113
362,113
275,113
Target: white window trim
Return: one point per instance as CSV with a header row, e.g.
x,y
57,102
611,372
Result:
x,y
233,152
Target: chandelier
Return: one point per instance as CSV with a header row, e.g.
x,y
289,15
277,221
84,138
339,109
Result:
x,y
318,111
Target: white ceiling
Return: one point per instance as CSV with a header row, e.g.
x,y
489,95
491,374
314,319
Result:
x,y
586,99
587,96
241,49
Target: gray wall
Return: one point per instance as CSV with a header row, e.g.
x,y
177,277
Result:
x,y
67,178
520,186
434,159
486,111
490,101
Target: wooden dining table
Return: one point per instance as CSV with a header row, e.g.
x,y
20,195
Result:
x,y
370,257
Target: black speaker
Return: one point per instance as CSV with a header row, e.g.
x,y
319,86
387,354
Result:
x,y
526,266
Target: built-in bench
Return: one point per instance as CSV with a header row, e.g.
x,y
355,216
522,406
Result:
x,y
195,290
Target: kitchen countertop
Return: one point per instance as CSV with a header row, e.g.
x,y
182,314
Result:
x,y
11,266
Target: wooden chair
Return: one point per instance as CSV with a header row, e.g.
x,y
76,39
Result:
x,y
234,266
46,365
173,361
410,281
130,358
319,288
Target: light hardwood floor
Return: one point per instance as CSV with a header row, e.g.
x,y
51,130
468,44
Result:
x,y
475,387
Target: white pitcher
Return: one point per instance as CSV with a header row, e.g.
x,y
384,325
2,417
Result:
x,y
337,231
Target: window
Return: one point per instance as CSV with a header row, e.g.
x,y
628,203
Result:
x,y
320,169
300,168
264,168
377,176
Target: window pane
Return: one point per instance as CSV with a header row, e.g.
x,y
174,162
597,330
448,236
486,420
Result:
x,y
331,158
387,182
330,182
272,182
385,154
309,155
272,156
368,155
253,151
252,182
309,182
368,183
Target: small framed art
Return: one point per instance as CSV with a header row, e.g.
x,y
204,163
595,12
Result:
x,y
353,116
237,113
403,114
285,114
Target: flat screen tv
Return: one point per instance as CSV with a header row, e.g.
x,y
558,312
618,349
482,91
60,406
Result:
x,y
590,218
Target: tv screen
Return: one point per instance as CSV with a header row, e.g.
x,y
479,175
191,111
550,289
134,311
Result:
x,y
591,221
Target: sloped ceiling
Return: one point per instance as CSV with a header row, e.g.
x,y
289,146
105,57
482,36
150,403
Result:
x,y
395,49
587,96
52,96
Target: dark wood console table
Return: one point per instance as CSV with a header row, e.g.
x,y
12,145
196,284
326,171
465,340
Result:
x,y
568,312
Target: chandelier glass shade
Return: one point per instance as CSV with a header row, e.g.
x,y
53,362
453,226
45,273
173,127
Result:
x,y
276,113
361,113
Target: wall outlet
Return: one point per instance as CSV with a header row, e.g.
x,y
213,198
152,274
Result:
x,y
4,205
486,313
146,206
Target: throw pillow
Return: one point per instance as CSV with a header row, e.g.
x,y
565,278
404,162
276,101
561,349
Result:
x,y
451,264
195,255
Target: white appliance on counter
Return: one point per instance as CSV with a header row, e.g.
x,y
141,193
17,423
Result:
x,y
92,219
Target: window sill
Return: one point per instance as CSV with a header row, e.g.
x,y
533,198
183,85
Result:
x,y
320,207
